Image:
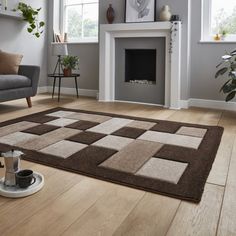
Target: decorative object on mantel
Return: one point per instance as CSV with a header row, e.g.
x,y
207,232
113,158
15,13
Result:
x,y
165,14
173,32
228,70
31,16
140,11
175,18
110,14
69,63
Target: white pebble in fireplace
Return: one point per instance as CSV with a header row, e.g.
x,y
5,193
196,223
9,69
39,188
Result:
x,y
141,82
108,36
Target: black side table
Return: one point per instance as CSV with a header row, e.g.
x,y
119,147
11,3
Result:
x,y
60,76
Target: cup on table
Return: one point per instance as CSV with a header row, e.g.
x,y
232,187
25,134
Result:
x,y
25,178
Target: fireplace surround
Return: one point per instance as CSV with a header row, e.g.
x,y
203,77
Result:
x,y
172,34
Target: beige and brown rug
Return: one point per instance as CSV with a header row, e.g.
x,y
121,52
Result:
x,y
163,157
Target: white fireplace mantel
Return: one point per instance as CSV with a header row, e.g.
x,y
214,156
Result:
x,y
110,32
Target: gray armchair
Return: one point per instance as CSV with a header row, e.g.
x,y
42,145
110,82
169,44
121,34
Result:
x,y
23,85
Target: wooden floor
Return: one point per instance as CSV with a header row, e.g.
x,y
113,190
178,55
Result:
x,y
71,204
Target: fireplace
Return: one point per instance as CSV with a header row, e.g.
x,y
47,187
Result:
x,y
140,66
140,70
109,75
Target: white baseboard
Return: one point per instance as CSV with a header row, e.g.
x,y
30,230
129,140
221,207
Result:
x,y
43,89
142,103
212,104
69,91
185,104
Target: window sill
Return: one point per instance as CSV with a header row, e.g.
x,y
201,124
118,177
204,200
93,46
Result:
x,y
217,42
71,43
84,42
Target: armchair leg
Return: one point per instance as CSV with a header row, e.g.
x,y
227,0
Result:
x,y
29,102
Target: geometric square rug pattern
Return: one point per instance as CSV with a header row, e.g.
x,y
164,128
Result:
x,y
164,157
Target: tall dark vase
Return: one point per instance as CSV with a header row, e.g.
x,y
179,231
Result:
x,y
110,14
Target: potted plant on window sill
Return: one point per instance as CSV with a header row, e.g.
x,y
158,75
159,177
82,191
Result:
x,y
70,63
223,34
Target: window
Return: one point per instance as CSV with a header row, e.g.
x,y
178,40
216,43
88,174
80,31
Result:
x,y
219,17
80,20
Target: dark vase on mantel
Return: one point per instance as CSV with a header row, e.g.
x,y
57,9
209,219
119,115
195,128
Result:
x,y
110,14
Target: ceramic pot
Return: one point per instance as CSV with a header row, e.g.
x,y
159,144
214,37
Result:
x,y
165,14
67,72
110,14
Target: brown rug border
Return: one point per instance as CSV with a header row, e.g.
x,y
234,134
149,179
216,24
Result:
x,y
213,134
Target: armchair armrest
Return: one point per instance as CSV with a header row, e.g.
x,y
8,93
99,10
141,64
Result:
x,y
32,72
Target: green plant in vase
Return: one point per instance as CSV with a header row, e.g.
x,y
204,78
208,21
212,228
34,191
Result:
x,y
30,15
223,34
228,70
69,63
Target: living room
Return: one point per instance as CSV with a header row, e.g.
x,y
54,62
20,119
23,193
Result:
x,y
117,117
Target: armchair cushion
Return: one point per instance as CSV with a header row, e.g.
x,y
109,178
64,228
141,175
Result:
x,y
9,63
14,81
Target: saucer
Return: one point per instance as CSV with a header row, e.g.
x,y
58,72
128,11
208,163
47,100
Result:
x,y
16,192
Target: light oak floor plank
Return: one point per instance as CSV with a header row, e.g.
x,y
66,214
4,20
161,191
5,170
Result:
x,y
18,210
220,167
211,117
219,172
52,219
152,216
227,225
199,220
107,213
192,115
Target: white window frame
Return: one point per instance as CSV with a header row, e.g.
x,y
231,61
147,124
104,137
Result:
x,y
63,23
206,35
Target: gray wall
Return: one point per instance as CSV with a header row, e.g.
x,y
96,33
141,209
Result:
x,y
89,65
204,58
197,79
14,38
87,52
